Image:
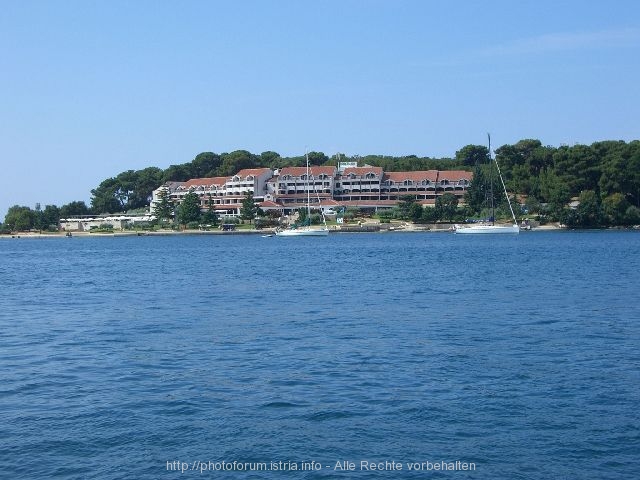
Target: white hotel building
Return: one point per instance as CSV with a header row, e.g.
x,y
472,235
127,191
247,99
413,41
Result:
x,y
329,187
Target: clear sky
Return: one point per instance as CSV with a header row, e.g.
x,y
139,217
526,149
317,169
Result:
x,y
91,88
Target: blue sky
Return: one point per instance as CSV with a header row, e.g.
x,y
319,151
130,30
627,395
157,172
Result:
x,y
89,89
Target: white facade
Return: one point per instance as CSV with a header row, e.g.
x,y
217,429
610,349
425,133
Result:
x,y
288,188
118,222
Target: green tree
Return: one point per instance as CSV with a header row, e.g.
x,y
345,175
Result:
x,y
589,213
235,161
632,216
614,207
620,169
145,182
163,208
20,218
475,196
128,190
429,214
472,155
478,194
519,154
249,208
302,216
189,209
416,212
124,188
633,173
107,197
569,217
533,205
74,209
206,164
317,158
521,163
446,206
50,217
210,217
521,180
553,189
578,167
406,205
271,159
38,220
177,173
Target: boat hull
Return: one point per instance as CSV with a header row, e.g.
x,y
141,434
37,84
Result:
x,y
487,229
304,232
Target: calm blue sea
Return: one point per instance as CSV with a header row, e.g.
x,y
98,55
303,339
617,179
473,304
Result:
x,y
161,357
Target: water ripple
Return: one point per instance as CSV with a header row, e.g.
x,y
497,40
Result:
x,y
119,355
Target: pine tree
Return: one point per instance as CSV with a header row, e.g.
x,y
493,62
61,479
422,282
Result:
x,y
163,208
249,207
189,209
210,217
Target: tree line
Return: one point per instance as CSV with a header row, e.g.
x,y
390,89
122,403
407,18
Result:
x,y
604,176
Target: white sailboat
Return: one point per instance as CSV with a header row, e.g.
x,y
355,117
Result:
x,y
492,228
308,230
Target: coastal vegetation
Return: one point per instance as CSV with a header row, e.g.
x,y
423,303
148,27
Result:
x,y
581,186
603,180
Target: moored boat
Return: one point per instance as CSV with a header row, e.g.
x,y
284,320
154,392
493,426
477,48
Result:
x,y
491,228
486,229
307,230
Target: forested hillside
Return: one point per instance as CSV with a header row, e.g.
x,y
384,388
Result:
x,y
604,176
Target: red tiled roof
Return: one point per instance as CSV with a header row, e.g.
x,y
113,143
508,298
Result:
x,y
431,175
455,175
315,171
205,182
362,171
252,171
417,176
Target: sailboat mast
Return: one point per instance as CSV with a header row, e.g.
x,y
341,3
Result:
x,y
513,215
306,154
493,210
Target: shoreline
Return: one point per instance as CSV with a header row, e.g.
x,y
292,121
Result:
x,y
399,228
405,228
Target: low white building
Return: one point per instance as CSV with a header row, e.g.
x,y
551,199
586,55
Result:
x,y
117,222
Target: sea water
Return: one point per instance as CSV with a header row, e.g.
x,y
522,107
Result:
x,y
239,356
